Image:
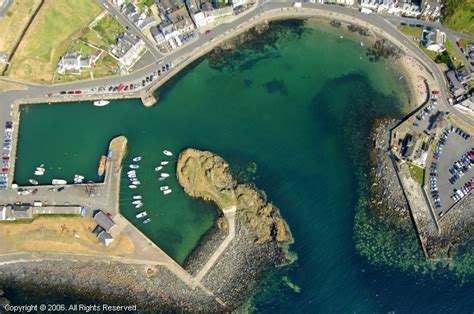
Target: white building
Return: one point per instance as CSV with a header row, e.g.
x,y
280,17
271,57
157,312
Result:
x,y
72,62
434,40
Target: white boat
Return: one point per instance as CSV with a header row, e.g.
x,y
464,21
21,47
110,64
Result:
x,y
139,205
167,191
39,173
164,163
161,179
78,177
134,166
77,180
138,158
141,215
158,168
101,103
137,197
136,202
40,169
164,175
136,182
167,153
33,181
146,220
131,172
132,186
164,187
59,182
132,176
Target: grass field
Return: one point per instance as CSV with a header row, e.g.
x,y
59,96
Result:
x,y
108,28
410,31
416,172
459,15
15,21
57,25
456,57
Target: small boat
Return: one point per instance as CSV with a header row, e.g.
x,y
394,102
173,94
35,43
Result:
x,y
136,202
146,220
134,166
164,175
33,181
361,44
78,177
101,103
141,215
164,163
132,172
132,176
59,182
101,169
161,178
137,197
77,181
158,168
164,187
39,173
138,158
167,191
167,153
131,186
136,182
40,169
139,205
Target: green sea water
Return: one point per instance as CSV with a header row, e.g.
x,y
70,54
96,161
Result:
x,y
299,104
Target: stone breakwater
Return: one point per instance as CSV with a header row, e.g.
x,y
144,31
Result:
x,y
261,234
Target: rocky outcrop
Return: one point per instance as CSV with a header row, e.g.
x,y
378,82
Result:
x,y
207,176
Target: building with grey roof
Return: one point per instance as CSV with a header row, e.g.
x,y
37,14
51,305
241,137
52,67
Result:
x,y
103,220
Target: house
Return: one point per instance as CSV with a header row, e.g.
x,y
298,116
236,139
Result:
x,y
103,220
103,236
433,40
457,89
157,35
181,20
128,49
72,62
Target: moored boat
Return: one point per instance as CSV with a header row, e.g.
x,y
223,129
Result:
x,y
158,168
138,158
164,163
39,173
164,175
101,169
131,186
137,197
134,166
101,103
164,187
141,215
33,181
136,202
139,205
146,220
167,191
40,169
59,182
161,178
167,153
136,182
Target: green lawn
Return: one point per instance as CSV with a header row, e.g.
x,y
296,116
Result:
x,y
459,15
454,53
416,172
410,31
57,24
108,28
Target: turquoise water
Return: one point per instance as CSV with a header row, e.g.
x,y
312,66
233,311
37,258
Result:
x,y
299,104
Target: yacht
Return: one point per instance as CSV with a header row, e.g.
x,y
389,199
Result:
x,y
164,163
164,187
164,175
158,168
101,103
167,153
137,197
134,166
161,179
138,158
39,173
167,191
141,215
33,181
59,182
139,205
136,182
131,172
132,186
136,202
40,169
146,220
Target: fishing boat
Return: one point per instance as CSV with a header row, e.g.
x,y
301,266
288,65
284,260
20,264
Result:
x,y
139,205
101,169
101,103
136,202
131,186
138,158
167,153
146,220
39,173
141,215
137,197
167,191
164,175
59,182
33,181
164,187
158,168
164,163
134,166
